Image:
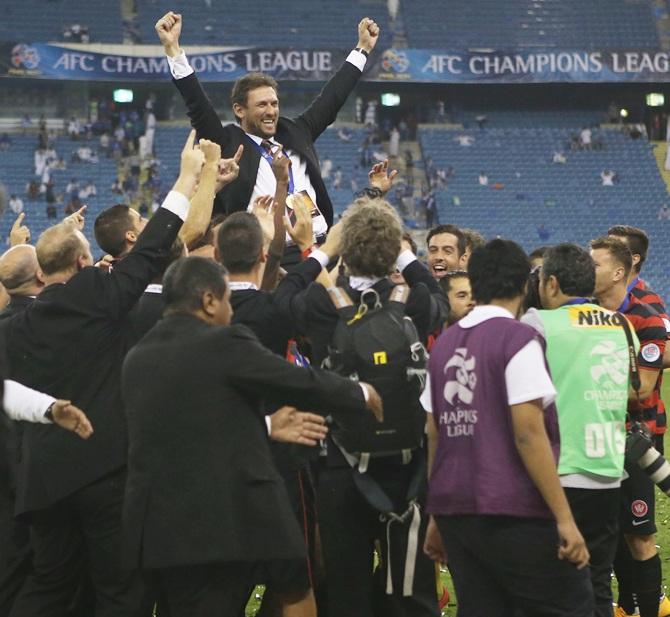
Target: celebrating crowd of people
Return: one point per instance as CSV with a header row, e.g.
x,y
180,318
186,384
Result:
x,y
245,396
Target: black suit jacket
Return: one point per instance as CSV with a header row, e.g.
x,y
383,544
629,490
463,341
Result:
x,y
146,313
297,134
16,305
270,315
70,343
202,486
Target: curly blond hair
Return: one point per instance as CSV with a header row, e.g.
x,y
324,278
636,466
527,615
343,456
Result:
x,y
371,237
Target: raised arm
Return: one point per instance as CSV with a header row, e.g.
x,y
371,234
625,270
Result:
x,y
118,291
199,108
200,212
325,107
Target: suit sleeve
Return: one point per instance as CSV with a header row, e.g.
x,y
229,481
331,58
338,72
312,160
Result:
x,y
119,291
324,108
288,299
200,110
426,305
254,369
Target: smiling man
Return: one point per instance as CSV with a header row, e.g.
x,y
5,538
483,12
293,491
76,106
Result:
x,y
260,128
446,250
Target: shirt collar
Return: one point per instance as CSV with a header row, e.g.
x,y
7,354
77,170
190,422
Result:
x,y
483,313
242,285
361,283
257,140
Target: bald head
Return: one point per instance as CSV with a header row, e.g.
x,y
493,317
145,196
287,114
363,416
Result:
x,y
18,271
62,250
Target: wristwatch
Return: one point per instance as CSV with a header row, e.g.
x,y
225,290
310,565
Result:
x,y
361,50
49,413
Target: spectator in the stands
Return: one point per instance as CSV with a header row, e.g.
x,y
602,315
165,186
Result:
x,y
559,158
5,142
585,138
72,187
73,205
326,168
74,128
371,113
609,177
483,178
105,144
481,120
50,198
543,233
344,134
465,140
663,213
16,204
394,142
337,178
32,190
26,123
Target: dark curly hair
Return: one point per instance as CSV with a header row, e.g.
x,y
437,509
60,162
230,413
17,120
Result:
x,y
371,235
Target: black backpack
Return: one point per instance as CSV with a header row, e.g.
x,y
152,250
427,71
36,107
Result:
x,y
378,344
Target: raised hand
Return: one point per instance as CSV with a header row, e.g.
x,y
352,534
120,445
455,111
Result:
x,y
229,169
192,159
168,29
302,233
281,164
211,150
71,418
368,34
331,246
19,234
263,211
380,178
292,426
76,219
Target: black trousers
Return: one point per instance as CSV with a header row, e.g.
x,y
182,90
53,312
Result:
x,y
15,553
504,566
78,534
596,513
349,528
216,590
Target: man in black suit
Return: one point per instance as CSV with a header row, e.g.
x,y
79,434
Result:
x,y
71,342
204,502
260,128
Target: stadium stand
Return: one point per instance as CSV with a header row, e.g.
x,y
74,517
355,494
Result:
x,y
567,24
19,23
302,27
538,202
16,170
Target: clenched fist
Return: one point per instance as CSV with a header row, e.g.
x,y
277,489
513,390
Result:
x,y
168,29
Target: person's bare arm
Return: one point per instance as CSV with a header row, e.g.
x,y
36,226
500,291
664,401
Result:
x,y
532,444
202,202
648,379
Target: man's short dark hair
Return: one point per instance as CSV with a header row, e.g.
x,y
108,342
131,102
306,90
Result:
x,y
618,249
240,241
498,271
187,279
473,239
249,82
371,238
445,281
573,268
110,229
637,240
538,253
449,229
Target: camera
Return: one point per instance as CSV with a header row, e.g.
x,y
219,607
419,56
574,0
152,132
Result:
x,y
640,449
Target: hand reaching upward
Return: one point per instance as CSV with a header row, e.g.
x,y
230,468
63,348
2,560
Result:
x,y
168,29
368,34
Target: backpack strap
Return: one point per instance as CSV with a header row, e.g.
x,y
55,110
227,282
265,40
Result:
x,y
635,380
342,302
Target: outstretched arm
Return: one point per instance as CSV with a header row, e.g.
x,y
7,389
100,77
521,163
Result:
x,y
325,107
199,108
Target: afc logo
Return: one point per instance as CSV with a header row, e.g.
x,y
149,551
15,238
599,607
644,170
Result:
x,y
24,56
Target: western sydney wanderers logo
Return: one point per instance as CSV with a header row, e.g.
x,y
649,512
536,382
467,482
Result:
x,y
466,380
639,508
